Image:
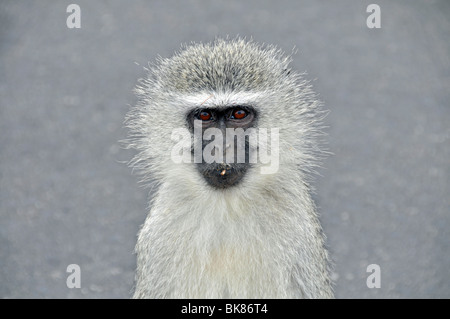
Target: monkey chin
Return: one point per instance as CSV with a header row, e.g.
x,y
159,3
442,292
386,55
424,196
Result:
x,y
223,175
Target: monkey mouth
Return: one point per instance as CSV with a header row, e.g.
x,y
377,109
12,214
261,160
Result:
x,y
222,175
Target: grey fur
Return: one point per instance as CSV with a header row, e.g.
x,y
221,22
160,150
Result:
x,y
258,239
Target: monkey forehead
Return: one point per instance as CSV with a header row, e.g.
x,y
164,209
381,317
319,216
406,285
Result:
x,y
221,99
224,65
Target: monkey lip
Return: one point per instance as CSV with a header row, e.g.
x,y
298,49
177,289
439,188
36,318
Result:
x,y
223,175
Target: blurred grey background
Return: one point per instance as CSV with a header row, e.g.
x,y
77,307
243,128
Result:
x,y
67,198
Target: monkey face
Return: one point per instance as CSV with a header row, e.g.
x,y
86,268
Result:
x,y
223,160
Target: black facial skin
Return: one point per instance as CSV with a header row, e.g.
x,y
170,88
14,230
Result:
x,y
223,175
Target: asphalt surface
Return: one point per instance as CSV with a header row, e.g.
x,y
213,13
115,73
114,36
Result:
x,y
67,198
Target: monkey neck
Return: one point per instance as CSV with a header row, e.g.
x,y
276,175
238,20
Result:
x,y
241,242
189,198
239,219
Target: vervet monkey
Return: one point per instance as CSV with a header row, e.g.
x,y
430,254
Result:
x,y
228,228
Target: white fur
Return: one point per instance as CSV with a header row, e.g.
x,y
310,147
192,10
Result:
x,y
258,239
247,242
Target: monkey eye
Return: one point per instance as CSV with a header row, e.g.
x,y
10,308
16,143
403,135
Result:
x,y
204,115
238,114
